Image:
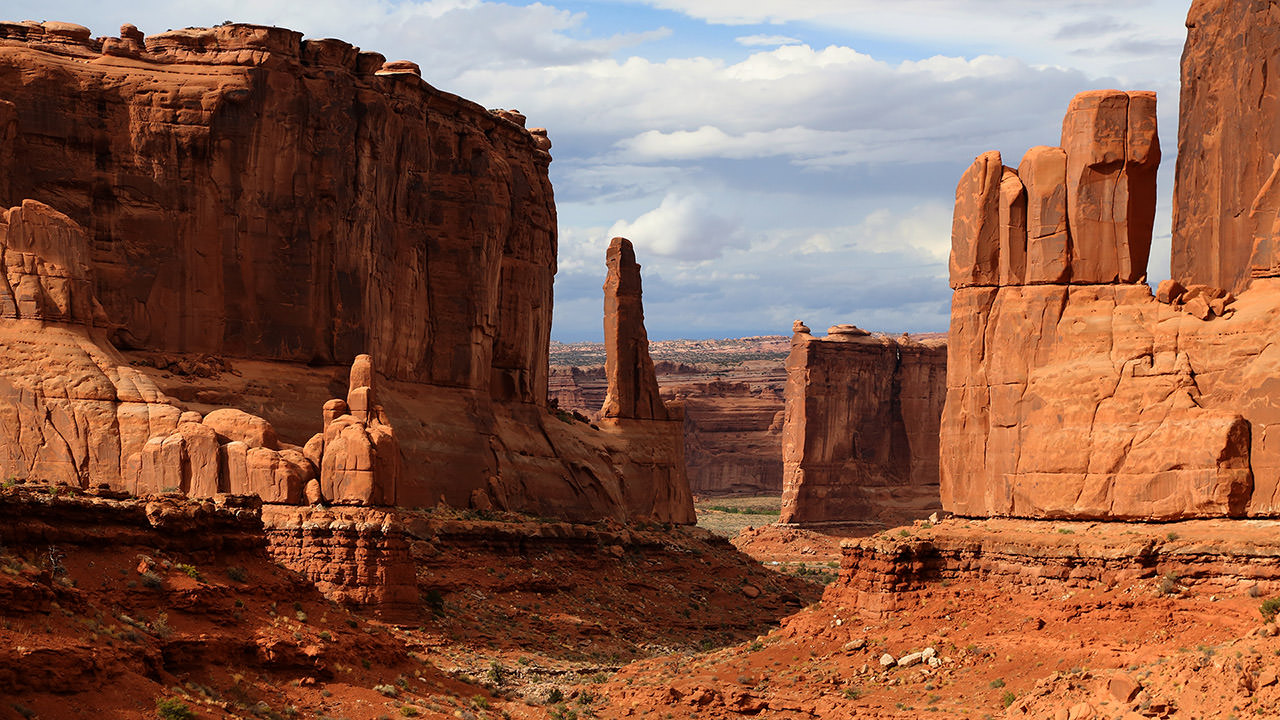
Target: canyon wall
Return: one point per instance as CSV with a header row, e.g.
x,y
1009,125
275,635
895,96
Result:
x,y
860,435
217,233
1224,220
427,238
1072,390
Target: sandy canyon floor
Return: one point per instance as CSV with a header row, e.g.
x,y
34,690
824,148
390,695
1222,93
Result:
x,y
676,623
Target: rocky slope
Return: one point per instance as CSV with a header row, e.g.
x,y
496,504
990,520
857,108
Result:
x,y
113,606
1095,620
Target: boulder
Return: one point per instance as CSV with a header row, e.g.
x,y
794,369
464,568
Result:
x,y
237,425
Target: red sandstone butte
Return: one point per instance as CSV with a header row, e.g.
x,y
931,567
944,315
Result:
x,y
860,434
1079,394
272,210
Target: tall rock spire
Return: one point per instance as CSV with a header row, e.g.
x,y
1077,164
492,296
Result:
x,y
633,385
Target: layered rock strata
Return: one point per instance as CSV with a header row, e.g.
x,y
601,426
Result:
x,y
354,556
1073,392
272,209
881,574
860,432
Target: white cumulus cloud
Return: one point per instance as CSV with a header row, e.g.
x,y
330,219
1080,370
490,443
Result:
x,y
683,226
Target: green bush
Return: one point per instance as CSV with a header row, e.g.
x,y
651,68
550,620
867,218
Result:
x,y
1269,608
1008,698
173,709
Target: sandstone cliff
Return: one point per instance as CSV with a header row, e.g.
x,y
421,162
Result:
x,y
1072,390
1224,220
268,208
860,435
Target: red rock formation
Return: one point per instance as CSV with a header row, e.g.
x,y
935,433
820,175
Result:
x,y
732,414
1228,139
353,556
358,453
1083,395
289,204
1043,173
860,436
1113,152
633,385
260,116
633,405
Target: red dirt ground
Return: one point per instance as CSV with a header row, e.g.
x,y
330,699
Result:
x,y
677,625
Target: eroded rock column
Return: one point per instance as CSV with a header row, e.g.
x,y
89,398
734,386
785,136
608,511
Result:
x,y
633,385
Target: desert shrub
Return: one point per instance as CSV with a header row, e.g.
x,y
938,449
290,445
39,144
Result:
x,y
173,709
997,683
161,625
1269,608
388,690
1008,698
189,570
238,574
1168,584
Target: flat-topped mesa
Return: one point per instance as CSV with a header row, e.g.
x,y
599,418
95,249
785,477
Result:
x,y
860,427
428,237
1081,213
633,384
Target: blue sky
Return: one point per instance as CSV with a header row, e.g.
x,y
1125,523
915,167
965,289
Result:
x,y
770,160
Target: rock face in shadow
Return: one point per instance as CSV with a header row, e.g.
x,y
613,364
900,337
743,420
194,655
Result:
x,y
860,435
1076,393
210,226
428,235
1224,224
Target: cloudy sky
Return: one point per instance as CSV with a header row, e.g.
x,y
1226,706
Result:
x,y
771,159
